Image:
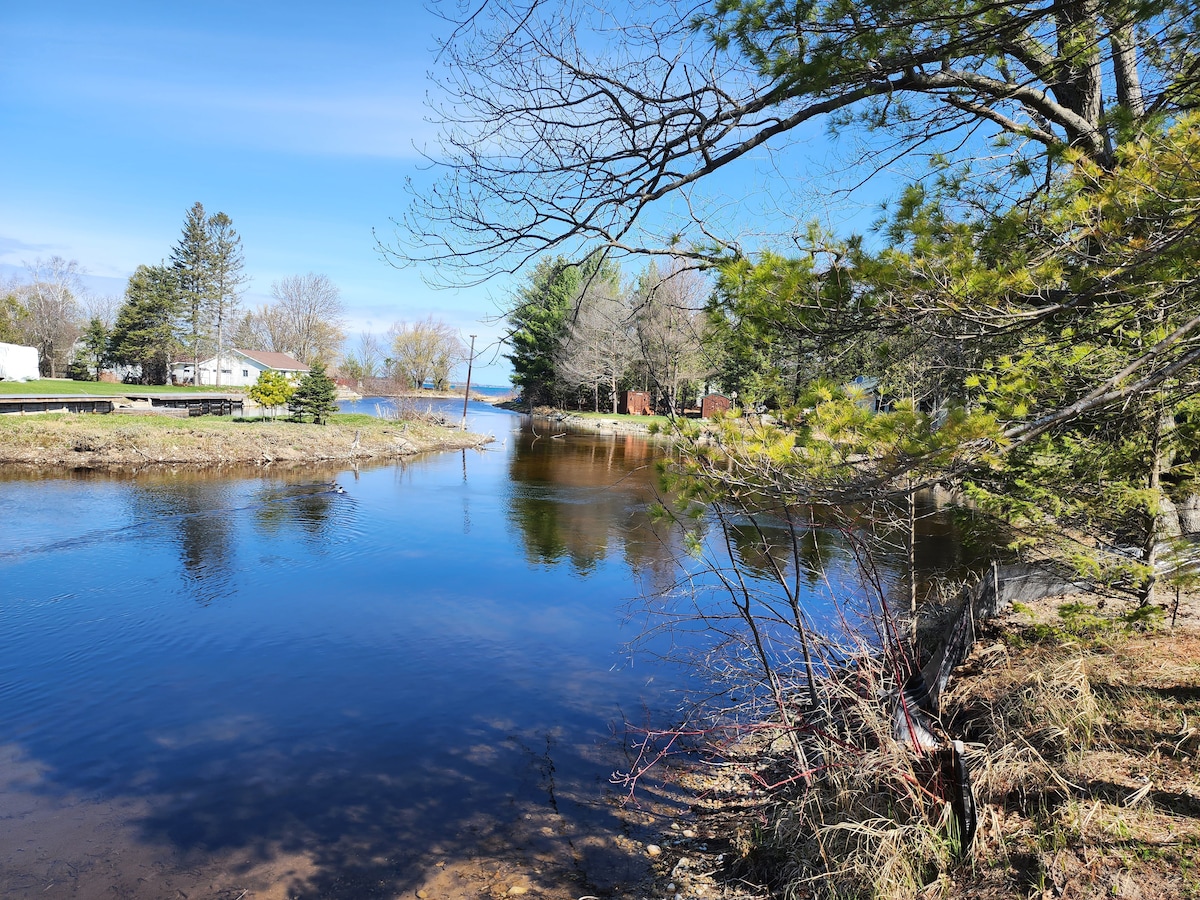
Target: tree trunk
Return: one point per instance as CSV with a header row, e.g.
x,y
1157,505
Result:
x,y
912,551
1079,73
1162,423
1125,71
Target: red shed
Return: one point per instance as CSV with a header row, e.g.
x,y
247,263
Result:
x,y
713,403
636,403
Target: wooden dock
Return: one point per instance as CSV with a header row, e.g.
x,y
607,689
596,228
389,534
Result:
x,y
133,403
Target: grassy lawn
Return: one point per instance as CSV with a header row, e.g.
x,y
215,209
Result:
x,y
63,386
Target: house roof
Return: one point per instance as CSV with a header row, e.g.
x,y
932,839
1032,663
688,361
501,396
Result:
x,y
279,361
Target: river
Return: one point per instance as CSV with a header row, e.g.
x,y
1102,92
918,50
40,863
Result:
x,y
334,683
323,683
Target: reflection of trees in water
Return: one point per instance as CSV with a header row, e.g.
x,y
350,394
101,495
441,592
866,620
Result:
x,y
191,513
572,498
951,542
766,545
196,511
306,507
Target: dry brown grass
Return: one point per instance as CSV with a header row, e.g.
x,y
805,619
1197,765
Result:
x,y
1082,744
1084,759
88,441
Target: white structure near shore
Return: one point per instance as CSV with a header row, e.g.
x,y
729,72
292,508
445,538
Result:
x,y
18,363
238,368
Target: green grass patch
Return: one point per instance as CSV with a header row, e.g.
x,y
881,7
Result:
x,y
41,421
362,419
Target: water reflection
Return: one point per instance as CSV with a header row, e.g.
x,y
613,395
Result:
x,y
306,507
318,690
258,674
572,497
950,543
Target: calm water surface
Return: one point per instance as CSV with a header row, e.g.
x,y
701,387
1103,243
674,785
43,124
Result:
x,y
359,672
360,665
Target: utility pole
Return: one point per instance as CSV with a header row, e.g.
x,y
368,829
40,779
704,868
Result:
x,y
467,393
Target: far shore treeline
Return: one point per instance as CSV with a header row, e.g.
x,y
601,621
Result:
x,y
189,307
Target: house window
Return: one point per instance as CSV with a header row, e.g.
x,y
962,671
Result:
x,y
245,373
226,372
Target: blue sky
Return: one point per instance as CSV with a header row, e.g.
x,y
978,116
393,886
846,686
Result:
x,y
297,119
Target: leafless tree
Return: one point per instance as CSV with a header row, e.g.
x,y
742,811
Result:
x,y
101,306
52,322
425,351
370,353
670,320
366,359
599,343
307,318
264,328
567,123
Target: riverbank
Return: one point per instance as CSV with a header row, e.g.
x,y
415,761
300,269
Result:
x,y
1081,732
599,423
102,442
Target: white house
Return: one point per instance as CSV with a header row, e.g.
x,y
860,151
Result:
x,y
18,363
238,368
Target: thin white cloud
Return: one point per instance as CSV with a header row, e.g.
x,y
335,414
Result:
x,y
13,248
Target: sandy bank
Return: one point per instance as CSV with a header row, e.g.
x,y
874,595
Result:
x,y
99,442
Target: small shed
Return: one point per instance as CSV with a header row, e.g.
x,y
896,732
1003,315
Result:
x,y
635,403
714,403
18,363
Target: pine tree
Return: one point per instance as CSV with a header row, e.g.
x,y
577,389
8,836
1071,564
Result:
x,y
145,333
538,320
193,261
314,395
92,353
226,275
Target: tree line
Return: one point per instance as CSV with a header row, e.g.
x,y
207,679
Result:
x,y
580,334
190,307
187,307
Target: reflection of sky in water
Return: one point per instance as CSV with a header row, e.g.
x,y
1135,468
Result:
x,y
428,642
253,650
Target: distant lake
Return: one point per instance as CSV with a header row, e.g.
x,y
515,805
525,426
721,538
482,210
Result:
x,y
323,682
